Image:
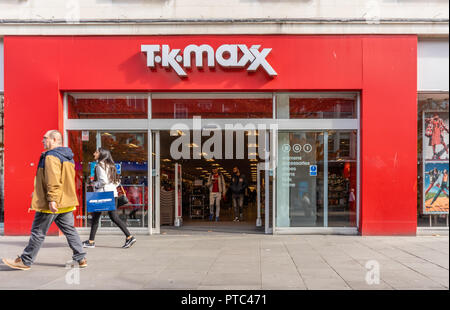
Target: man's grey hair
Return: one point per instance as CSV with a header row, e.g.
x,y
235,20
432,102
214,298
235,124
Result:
x,y
55,134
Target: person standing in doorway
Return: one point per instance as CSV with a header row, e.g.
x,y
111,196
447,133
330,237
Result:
x,y
106,180
238,186
216,185
54,200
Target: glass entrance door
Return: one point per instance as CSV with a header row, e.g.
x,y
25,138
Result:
x,y
300,175
316,179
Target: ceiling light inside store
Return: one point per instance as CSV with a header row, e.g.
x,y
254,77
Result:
x,y
177,133
251,133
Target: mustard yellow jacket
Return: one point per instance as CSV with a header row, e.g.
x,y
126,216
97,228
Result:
x,y
55,181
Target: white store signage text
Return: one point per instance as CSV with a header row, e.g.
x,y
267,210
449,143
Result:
x,y
226,56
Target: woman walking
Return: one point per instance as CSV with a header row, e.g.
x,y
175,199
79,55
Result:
x,y
106,180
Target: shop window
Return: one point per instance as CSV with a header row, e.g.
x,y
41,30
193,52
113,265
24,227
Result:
x,y
129,151
107,106
342,178
300,196
317,107
165,108
433,160
306,168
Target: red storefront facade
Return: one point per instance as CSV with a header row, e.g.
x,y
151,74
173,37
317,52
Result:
x,y
381,68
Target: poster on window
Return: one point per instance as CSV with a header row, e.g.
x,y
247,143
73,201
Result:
x,y
435,136
435,190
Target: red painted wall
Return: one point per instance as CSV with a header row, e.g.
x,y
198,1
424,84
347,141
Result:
x,y
383,68
389,136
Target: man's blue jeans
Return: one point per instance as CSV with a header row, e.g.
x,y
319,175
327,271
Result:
x,y
41,225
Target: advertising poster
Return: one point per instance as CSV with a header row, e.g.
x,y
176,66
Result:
x,y
435,136
435,191
435,162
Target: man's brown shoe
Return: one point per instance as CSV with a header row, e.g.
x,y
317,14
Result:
x,y
15,263
82,263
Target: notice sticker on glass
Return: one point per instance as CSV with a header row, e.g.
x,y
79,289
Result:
x,y
85,135
313,170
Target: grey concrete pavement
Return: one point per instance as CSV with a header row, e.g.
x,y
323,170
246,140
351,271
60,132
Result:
x,y
210,260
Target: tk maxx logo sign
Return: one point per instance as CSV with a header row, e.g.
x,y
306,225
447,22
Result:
x,y
226,56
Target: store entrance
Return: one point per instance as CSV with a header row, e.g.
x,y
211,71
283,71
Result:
x,y
188,195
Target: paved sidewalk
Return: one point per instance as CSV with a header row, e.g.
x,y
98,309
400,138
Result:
x,y
236,261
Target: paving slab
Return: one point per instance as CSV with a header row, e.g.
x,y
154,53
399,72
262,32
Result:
x,y
230,261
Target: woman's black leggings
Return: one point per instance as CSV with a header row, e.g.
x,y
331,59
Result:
x,y
114,218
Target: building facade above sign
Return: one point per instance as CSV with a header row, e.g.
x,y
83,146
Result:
x,y
226,55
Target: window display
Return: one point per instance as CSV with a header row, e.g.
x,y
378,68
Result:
x,y
433,194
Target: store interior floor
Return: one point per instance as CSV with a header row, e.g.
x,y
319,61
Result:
x,y
226,223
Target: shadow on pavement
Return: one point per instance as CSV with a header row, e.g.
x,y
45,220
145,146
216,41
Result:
x,y
6,268
50,265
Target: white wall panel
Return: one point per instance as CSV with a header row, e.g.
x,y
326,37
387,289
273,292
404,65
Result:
x,y
432,65
200,9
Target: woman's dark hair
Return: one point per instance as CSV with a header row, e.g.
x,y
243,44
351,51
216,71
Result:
x,y
106,158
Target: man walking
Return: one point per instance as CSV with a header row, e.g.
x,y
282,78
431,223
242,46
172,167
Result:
x,y
238,186
54,200
216,184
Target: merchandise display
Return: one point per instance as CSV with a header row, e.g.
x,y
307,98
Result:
x,y
197,206
337,191
167,204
